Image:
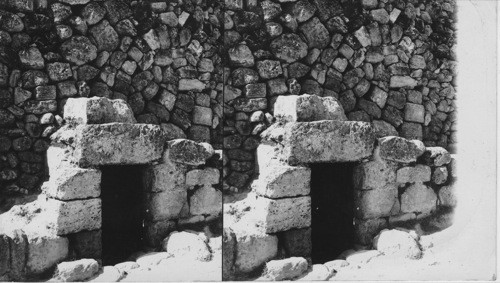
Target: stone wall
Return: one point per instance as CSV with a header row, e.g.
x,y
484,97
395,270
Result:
x,y
162,57
389,62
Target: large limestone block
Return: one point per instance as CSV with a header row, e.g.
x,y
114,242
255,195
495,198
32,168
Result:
x,y
44,251
418,198
323,141
86,244
97,110
164,176
374,174
118,144
66,217
187,245
166,205
73,183
400,149
308,108
266,154
375,203
189,152
297,242
276,215
206,200
253,248
414,174
281,180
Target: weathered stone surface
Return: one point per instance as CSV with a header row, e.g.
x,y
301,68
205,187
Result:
x,y
440,175
206,200
418,198
375,174
156,231
97,110
228,253
44,251
105,36
207,176
447,196
317,272
66,217
383,129
283,214
418,174
414,112
189,152
79,50
289,47
188,246
118,143
316,33
308,108
4,254
397,243
166,205
281,180
164,176
77,270
253,248
365,230
297,242
191,85
249,104
400,149
18,254
402,81
73,183
241,56
87,244
375,203
305,142
284,269
436,156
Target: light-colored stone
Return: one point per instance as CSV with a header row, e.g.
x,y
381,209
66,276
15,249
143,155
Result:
x,y
400,149
383,129
107,274
44,251
284,269
308,108
375,203
70,183
397,243
318,272
206,200
440,175
191,85
281,180
402,82
165,176
418,198
190,246
152,259
66,217
436,156
283,214
77,270
447,196
336,264
419,173
127,266
361,257
305,142
167,204
97,110
207,176
253,248
374,174
118,143
363,36
189,152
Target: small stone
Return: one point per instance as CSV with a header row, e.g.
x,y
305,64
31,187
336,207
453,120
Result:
x,y
93,13
78,50
269,69
284,269
363,36
241,56
59,71
380,15
316,33
418,198
169,18
78,270
414,112
440,175
255,90
402,82
45,92
397,243
289,47
31,58
152,39
400,149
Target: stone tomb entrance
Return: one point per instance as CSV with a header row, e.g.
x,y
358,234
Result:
x,y
123,212
332,210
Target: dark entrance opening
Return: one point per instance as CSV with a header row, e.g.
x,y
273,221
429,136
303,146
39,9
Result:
x,y
332,198
122,212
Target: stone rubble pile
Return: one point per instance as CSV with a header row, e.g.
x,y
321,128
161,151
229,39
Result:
x,y
390,62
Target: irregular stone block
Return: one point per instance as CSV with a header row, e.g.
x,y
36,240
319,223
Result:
x,y
365,230
400,149
418,174
18,254
440,175
155,232
188,245
77,270
66,217
189,152
297,242
375,203
308,108
166,205
436,156
447,196
306,142
397,243
44,251
97,110
402,81
118,143
207,176
266,154
285,269
228,253
73,183
281,180
191,85
165,176
374,174
87,244
418,198
289,47
414,112
206,200
253,248
283,214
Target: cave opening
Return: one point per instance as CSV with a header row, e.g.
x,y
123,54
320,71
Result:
x,y
122,212
332,200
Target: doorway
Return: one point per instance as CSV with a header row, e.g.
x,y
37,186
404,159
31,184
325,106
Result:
x,y
122,212
332,200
